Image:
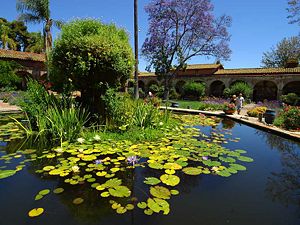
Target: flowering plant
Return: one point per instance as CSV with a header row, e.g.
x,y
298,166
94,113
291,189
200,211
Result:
x,y
229,106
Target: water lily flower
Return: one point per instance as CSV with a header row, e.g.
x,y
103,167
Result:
x,y
59,150
204,157
132,160
80,150
97,137
215,168
98,161
75,169
80,140
161,123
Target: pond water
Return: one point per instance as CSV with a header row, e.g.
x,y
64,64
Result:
x,y
267,193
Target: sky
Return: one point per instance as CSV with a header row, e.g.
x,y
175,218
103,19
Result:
x,y
257,25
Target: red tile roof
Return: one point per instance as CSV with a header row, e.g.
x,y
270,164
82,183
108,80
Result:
x,y
10,54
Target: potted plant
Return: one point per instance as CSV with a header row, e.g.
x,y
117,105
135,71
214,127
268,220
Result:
x,y
229,108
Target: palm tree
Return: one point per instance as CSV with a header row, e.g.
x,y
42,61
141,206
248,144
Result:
x,y
136,50
38,11
6,41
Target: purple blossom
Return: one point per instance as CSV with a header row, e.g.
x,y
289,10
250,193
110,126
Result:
x,y
204,157
98,162
132,160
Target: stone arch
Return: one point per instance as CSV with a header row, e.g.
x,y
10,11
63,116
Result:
x,y
152,82
25,76
217,88
291,87
179,86
236,81
265,90
142,85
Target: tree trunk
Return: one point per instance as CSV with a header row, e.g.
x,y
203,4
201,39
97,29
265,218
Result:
x,y
166,88
136,50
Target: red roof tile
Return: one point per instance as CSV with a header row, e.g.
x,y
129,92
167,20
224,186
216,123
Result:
x,y
10,54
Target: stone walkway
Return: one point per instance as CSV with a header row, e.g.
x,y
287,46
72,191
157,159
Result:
x,y
5,107
243,118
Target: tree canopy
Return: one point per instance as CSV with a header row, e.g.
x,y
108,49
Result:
x,y
278,56
92,56
38,11
181,30
15,36
294,11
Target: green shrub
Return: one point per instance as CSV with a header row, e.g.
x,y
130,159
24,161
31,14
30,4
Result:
x,y
193,89
119,108
154,88
289,118
290,99
93,56
210,107
256,111
9,80
237,88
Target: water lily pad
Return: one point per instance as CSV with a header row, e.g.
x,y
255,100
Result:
x,y
224,173
172,166
121,210
156,165
237,167
160,192
58,190
119,191
192,171
105,194
78,201
101,174
245,159
129,207
174,192
113,182
35,212
6,173
171,180
142,205
44,192
148,212
38,197
151,181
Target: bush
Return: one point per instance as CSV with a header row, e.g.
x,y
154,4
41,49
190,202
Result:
x,y
210,106
289,118
9,80
290,99
194,90
51,116
93,56
256,111
237,88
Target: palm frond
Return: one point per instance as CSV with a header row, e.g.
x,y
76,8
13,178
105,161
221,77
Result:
x,y
58,23
28,17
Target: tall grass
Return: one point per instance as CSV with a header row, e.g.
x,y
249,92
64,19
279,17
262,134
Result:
x,y
66,123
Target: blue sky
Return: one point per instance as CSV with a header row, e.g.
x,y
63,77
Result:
x,y
257,24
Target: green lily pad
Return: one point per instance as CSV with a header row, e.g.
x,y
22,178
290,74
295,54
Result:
x,y
121,210
58,190
237,167
78,201
148,212
105,194
160,192
171,180
192,171
151,181
6,173
44,192
119,191
174,192
245,159
35,212
142,205
38,197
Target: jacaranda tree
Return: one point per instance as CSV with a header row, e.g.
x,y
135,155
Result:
x,y
294,11
91,56
181,30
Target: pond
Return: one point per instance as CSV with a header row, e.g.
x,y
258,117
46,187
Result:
x,y
267,193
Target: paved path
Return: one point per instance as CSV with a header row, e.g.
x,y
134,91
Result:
x,y
5,107
243,118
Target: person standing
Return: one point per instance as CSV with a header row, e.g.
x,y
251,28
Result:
x,y
239,103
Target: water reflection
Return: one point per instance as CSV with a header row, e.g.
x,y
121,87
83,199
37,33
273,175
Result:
x,y
284,186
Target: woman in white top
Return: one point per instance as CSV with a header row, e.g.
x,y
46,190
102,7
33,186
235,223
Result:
x,y
239,103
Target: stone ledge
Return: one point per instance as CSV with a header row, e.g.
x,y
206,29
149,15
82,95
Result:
x,y
250,121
